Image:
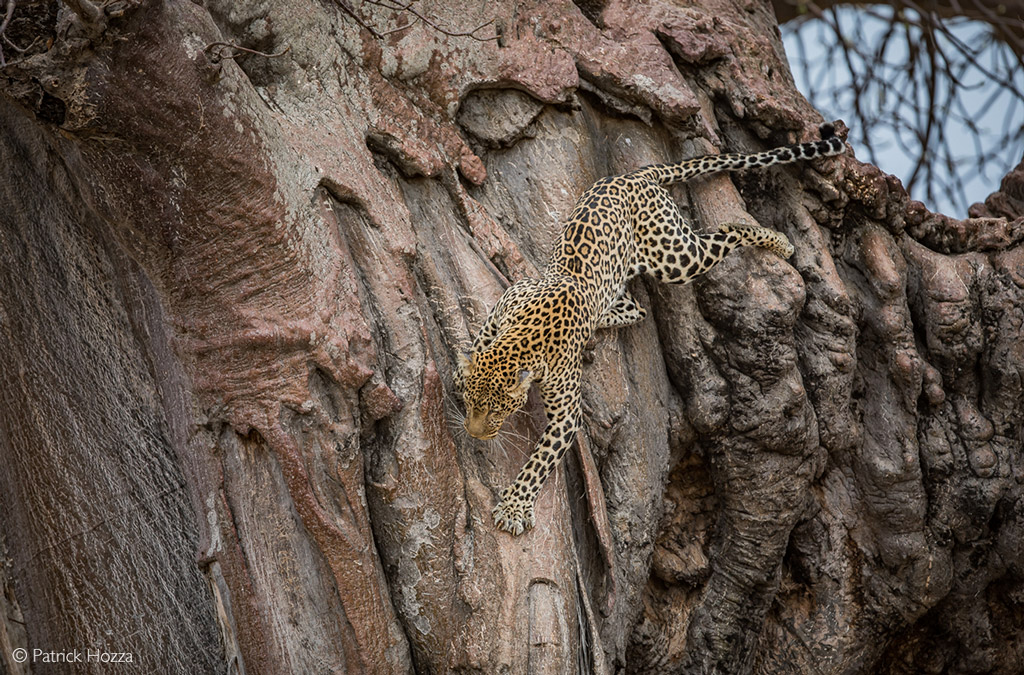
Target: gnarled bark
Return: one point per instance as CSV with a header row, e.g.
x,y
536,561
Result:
x,y
231,292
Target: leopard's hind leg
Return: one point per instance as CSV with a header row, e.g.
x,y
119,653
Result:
x,y
670,250
624,311
754,235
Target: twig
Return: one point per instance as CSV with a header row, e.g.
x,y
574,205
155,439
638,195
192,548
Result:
x,y
86,11
1003,24
910,73
220,55
345,7
3,27
22,50
396,6
7,16
413,22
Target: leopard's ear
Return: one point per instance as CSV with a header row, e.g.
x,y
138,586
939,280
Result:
x,y
466,363
525,379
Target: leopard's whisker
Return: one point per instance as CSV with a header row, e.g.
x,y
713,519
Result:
x,y
502,445
455,417
509,434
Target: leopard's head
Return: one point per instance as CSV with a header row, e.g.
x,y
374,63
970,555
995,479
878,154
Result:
x,y
492,387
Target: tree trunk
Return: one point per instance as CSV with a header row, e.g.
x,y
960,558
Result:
x,y
232,289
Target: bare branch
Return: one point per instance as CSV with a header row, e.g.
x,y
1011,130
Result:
x,y
228,45
407,7
345,7
418,17
904,73
21,50
86,11
7,16
3,27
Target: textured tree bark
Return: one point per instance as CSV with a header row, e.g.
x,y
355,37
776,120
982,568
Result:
x,y
232,289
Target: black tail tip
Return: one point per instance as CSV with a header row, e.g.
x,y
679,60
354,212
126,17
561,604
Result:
x,y
827,130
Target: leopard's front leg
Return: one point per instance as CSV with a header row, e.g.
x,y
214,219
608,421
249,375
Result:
x,y
514,512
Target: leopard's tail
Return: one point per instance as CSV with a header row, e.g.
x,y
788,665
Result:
x,y
663,174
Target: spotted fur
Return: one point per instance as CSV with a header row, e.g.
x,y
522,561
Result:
x,y
621,227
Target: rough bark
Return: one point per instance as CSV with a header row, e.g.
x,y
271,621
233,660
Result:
x,y
231,292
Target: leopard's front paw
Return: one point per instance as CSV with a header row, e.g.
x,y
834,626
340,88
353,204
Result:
x,y
514,513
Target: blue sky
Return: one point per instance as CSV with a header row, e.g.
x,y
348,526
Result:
x,y
979,100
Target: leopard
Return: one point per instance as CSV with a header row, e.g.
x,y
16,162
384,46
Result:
x,y
621,227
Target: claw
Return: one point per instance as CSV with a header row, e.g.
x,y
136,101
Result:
x,y
512,517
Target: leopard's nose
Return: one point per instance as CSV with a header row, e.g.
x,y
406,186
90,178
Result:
x,y
476,426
